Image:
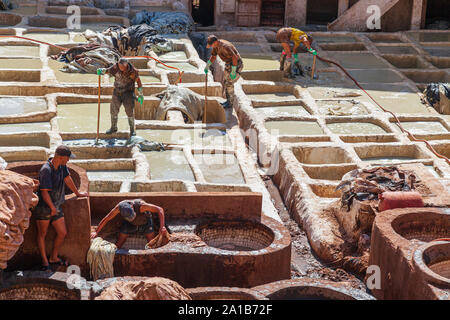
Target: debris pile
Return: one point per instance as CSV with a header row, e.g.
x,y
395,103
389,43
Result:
x,y
437,95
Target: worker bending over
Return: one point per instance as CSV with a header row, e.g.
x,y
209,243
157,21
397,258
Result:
x,y
302,43
137,215
125,76
233,64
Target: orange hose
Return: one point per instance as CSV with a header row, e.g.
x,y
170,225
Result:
x,y
41,42
395,117
441,239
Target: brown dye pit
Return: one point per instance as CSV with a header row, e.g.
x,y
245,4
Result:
x,y
296,128
82,117
167,165
38,291
19,51
405,62
356,128
397,50
20,64
334,38
422,226
437,259
235,235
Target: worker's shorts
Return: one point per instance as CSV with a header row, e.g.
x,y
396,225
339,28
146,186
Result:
x,y
127,98
131,229
43,213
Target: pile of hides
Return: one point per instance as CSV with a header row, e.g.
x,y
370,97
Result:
x,y
165,22
87,58
145,145
100,258
437,95
155,288
181,99
17,197
7,5
189,239
199,43
367,184
84,3
136,40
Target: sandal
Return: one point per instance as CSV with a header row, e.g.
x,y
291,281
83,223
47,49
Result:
x,y
60,262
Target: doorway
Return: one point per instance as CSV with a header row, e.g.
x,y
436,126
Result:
x,y
203,12
322,12
272,12
438,15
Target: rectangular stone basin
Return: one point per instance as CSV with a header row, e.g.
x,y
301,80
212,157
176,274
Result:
x,y
424,127
359,61
19,51
245,49
397,49
328,172
384,38
23,75
169,164
95,153
174,55
82,117
25,127
20,64
430,36
405,62
112,175
256,62
144,78
439,51
357,46
104,186
277,96
281,111
341,107
295,128
21,105
427,76
440,62
25,140
183,66
186,136
389,154
220,168
25,10
65,77
378,75
49,37
355,128
321,155
333,38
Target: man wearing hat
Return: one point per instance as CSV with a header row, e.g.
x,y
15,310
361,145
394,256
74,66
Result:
x,y
233,64
137,220
53,176
125,76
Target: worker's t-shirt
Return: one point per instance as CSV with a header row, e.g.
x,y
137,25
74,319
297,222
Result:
x,y
52,180
291,34
225,50
124,81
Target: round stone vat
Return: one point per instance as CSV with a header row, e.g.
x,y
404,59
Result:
x,y
433,261
9,19
310,289
39,289
422,226
224,293
235,235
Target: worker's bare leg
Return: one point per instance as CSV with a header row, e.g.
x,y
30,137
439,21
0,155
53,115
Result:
x,y
42,227
128,103
150,236
121,240
61,232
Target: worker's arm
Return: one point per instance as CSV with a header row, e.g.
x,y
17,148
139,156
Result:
x,y
308,46
152,208
48,201
139,82
140,90
105,220
69,182
211,59
287,49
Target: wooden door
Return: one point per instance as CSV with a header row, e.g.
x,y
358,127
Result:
x,y
248,13
272,12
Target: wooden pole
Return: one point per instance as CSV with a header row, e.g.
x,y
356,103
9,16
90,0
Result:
x,y
98,115
206,98
313,68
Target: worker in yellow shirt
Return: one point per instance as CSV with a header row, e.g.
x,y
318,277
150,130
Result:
x,y
302,42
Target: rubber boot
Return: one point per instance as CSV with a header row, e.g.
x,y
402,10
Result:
x,y
132,126
113,128
226,104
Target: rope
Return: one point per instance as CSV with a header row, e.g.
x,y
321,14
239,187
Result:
x,y
395,117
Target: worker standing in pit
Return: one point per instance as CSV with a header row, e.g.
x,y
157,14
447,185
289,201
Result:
x,y
125,76
302,43
233,64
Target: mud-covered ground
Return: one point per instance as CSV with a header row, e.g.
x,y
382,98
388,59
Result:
x,y
304,264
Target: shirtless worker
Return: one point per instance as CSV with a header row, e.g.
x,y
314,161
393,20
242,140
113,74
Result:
x,y
125,76
137,215
302,43
233,64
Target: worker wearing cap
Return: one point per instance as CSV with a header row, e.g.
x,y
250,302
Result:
x,y
137,220
302,42
125,76
53,176
233,64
